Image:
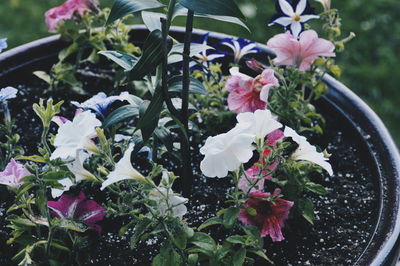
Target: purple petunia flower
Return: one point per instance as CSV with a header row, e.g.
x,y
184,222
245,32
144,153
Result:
x,y
11,176
78,208
240,47
3,44
293,14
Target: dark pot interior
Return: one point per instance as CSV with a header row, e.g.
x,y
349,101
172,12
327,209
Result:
x,y
345,109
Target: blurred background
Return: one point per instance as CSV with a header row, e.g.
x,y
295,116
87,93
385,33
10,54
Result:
x,y
370,63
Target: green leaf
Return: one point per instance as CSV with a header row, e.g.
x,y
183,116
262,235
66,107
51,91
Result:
x,y
152,20
203,241
33,158
149,113
151,57
213,7
120,114
72,225
236,239
239,257
19,221
55,176
254,234
164,135
193,259
139,230
43,76
212,221
175,55
195,87
121,8
307,210
179,236
261,254
167,257
230,217
181,11
316,188
124,60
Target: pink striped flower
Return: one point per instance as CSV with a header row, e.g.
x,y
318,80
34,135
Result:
x,y
247,94
66,11
78,208
299,53
270,215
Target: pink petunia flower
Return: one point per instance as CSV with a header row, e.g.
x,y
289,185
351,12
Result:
x,y
66,11
253,173
78,208
270,217
247,94
13,173
300,53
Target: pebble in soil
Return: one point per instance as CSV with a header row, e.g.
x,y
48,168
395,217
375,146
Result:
x,y
345,217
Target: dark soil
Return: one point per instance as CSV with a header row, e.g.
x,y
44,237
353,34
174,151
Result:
x,y
345,218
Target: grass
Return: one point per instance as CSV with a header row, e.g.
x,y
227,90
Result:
x,y
370,62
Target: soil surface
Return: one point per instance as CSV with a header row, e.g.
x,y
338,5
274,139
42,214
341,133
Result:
x,y
345,218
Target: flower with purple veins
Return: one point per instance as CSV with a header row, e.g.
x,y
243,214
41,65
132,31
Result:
x,y
240,47
100,102
206,56
293,14
79,209
3,44
8,92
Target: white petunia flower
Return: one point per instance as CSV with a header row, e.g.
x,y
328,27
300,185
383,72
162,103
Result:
x,y
124,171
166,198
306,151
75,135
293,16
260,123
66,183
226,152
76,167
8,93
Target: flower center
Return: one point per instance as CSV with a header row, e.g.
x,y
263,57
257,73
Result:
x,y
296,17
264,209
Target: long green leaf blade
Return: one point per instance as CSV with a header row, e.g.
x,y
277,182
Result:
x,y
214,7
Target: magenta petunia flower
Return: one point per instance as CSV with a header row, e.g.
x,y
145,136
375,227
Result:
x,y
66,11
247,94
253,173
270,217
11,176
78,208
300,53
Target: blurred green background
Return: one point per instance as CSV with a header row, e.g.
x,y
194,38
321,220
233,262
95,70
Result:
x,y
370,63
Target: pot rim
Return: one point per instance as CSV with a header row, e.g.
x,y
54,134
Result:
x,y
367,122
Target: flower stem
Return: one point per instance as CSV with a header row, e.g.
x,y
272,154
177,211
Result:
x,y
44,139
185,146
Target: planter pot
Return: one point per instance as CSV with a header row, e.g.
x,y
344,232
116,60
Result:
x,y
358,124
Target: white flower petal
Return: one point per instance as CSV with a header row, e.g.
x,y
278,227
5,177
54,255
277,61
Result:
x,y
260,123
163,196
287,9
284,21
296,28
66,182
301,6
77,168
306,18
307,152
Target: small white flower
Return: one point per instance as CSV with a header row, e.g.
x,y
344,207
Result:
x,y
293,16
66,183
75,135
240,47
8,93
226,152
76,167
166,198
124,171
306,151
260,123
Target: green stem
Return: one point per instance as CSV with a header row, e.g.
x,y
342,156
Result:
x,y
44,139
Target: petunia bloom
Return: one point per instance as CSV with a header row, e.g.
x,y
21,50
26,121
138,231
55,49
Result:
x,y
293,14
8,93
67,11
166,197
299,53
240,47
207,55
75,135
307,152
3,44
124,171
100,102
270,216
247,94
76,167
66,183
12,175
79,209
226,152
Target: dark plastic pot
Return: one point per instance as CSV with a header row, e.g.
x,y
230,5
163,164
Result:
x,y
383,156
